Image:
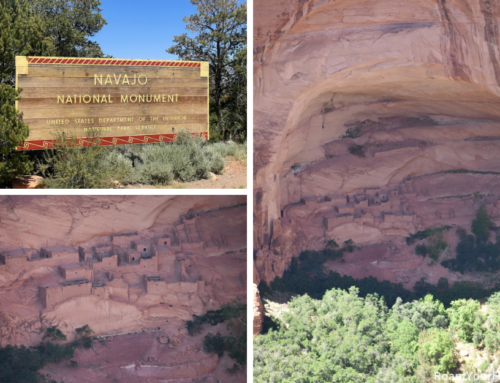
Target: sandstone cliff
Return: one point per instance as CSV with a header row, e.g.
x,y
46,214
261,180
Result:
x,y
122,265
258,311
368,98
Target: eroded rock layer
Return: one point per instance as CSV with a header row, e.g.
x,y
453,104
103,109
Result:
x,y
121,265
357,101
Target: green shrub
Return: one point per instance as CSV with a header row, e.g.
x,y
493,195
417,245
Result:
x,y
358,150
438,349
84,331
84,336
466,320
475,252
404,343
443,283
413,237
227,312
354,132
424,313
70,166
214,344
492,340
340,338
215,158
349,245
187,159
234,314
332,244
478,195
12,133
435,250
118,164
347,338
152,173
184,160
236,347
421,250
492,323
54,334
493,305
435,238
19,364
482,224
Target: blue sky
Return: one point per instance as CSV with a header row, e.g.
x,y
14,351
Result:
x,y
142,29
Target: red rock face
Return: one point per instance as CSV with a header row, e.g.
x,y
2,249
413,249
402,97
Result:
x,y
121,265
356,95
258,311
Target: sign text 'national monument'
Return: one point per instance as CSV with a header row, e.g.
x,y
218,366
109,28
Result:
x,y
123,101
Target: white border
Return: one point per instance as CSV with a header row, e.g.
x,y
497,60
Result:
x,y
250,191
192,192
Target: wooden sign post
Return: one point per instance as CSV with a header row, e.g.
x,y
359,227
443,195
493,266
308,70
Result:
x,y
123,101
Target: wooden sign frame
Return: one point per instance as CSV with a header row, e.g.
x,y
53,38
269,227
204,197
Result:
x,y
126,101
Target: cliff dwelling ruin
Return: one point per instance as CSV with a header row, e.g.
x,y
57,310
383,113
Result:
x,y
374,120
133,268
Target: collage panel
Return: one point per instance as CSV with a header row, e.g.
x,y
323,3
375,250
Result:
x,y
111,95
376,191
135,281
111,288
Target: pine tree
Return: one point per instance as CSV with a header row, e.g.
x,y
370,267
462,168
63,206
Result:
x,y
13,131
482,224
220,28
21,34
70,24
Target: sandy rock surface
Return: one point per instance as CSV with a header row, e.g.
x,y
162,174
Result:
x,y
368,98
122,265
258,311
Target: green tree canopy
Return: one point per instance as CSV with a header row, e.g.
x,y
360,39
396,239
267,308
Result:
x,y
13,131
340,338
347,338
21,34
71,24
423,313
474,251
20,364
220,36
437,348
235,343
466,320
481,225
37,28
53,333
233,119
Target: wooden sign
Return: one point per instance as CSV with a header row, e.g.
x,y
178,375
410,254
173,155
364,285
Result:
x,y
124,101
